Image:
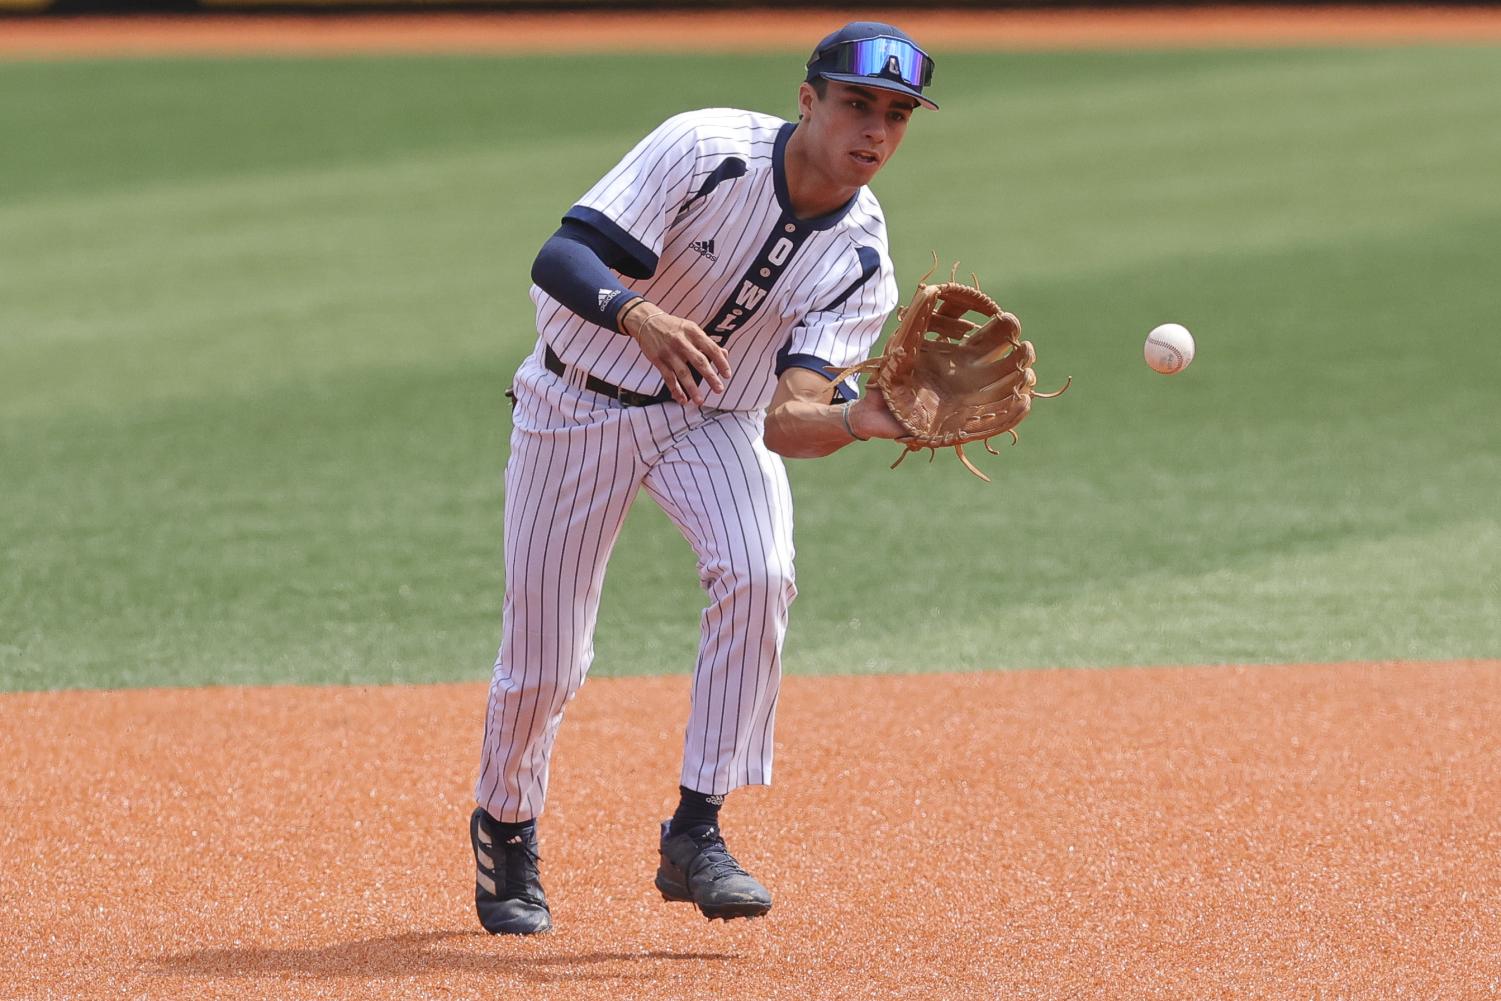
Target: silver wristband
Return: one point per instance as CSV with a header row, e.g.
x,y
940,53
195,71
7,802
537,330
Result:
x,y
844,413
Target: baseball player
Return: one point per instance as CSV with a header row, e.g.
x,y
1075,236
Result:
x,y
690,310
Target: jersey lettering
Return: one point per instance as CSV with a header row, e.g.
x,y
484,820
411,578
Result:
x,y
727,325
750,295
760,278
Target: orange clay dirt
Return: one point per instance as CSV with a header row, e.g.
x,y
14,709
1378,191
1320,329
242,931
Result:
x,y
780,30
1310,832
1313,832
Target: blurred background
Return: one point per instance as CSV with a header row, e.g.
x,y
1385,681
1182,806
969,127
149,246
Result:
x,y
258,310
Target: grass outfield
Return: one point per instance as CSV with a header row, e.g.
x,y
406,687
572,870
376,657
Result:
x,y
256,317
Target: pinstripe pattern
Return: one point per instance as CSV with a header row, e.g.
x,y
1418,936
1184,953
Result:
x,y
728,494
568,486
700,205
577,461
651,200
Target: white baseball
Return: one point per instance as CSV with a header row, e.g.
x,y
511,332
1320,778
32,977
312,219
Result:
x,y
1169,348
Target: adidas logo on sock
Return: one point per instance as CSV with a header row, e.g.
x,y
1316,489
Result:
x,y
704,248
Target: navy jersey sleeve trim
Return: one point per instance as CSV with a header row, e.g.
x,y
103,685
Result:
x,y
842,391
640,261
870,263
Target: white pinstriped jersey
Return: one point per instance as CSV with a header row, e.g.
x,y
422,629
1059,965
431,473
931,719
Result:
x,y
701,205
700,212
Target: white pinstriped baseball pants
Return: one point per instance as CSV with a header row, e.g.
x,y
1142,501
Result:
x,y
577,461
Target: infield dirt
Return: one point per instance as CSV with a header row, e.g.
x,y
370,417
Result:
x,y
1269,832
675,31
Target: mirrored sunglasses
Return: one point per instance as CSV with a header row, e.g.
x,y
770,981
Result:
x,y
879,57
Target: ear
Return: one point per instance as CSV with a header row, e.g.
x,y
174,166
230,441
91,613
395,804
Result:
x,y
806,96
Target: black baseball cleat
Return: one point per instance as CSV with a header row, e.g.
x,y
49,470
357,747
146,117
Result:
x,y
696,867
507,889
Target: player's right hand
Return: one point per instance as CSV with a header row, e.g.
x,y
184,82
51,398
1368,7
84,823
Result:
x,y
678,348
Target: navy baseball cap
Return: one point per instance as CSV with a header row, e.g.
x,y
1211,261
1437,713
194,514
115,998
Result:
x,y
873,54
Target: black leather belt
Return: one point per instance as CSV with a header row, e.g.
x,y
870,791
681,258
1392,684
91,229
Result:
x,y
629,397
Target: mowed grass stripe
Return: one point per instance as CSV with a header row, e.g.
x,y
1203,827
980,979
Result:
x,y
1230,153
229,249
250,368
1297,598
265,279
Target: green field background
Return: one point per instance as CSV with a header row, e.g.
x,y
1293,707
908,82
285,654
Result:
x,y
257,316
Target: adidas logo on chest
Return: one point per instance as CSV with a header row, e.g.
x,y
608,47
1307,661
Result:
x,y
704,248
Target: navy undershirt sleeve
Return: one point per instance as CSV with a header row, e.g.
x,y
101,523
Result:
x,y
575,266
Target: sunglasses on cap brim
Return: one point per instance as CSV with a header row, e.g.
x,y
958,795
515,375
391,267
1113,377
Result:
x,y
883,56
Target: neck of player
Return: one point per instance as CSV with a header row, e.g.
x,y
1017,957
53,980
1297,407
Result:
x,y
812,191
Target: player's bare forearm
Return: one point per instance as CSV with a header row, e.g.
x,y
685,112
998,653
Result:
x,y
801,423
802,430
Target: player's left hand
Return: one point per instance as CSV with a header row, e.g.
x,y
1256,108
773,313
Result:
x,y
870,417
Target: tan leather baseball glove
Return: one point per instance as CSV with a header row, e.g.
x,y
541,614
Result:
x,y
951,380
